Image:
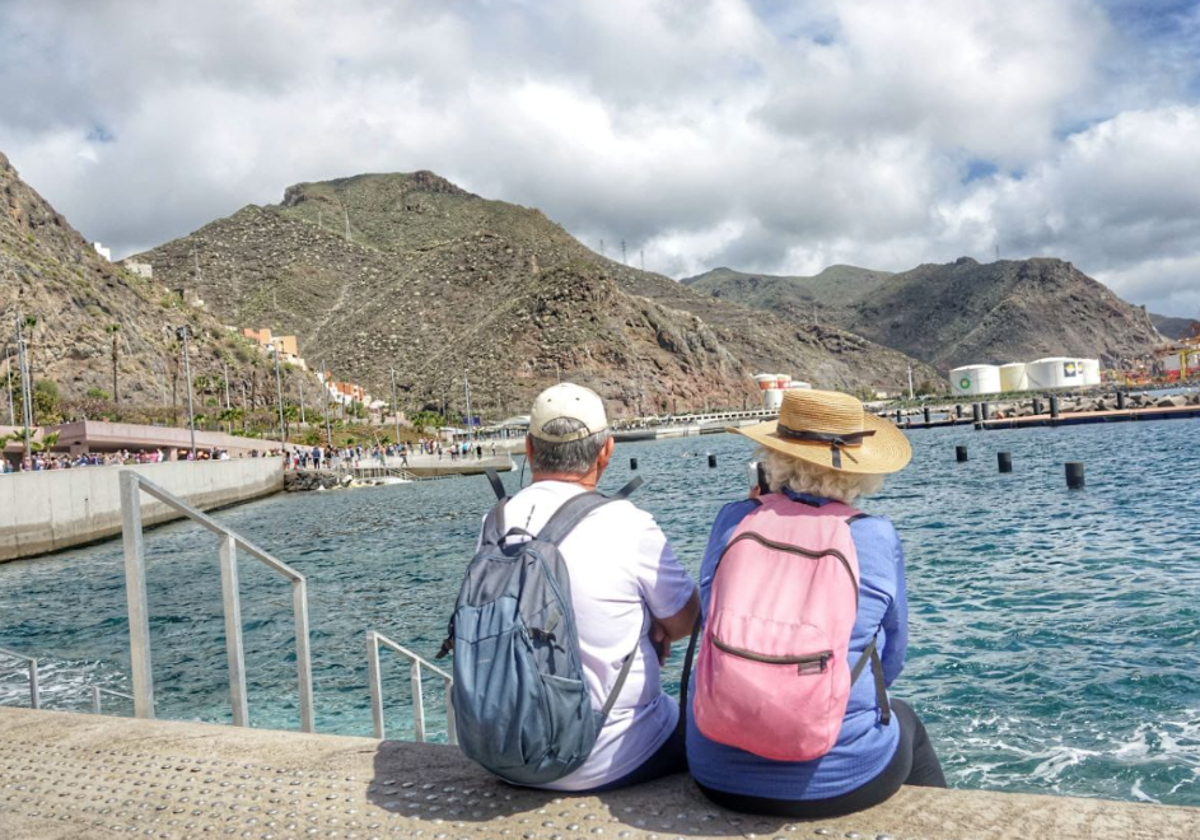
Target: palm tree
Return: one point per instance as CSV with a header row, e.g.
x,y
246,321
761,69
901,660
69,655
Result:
x,y
114,329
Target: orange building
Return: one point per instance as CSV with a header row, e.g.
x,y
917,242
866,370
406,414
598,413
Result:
x,y
285,345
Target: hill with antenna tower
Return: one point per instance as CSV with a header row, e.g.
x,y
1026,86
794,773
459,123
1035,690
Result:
x,y
412,272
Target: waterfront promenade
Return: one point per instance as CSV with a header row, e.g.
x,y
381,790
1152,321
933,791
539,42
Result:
x,y
83,777
51,510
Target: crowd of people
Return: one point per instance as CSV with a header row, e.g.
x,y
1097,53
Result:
x,y
42,461
333,458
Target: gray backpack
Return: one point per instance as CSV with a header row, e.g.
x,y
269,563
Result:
x,y
521,706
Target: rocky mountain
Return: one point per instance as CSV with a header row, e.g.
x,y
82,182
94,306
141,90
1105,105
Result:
x,y
76,304
1175,328
814,299
408,271
961,313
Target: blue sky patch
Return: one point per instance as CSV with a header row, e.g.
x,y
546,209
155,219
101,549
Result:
x,y
100,134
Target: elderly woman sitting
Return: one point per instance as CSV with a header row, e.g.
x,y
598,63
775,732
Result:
x,y
802,595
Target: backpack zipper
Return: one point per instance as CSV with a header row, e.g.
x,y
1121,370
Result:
x,y
793,549
804,664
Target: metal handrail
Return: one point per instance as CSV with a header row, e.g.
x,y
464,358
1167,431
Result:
x,y
416,662
97,691
132,485
35,697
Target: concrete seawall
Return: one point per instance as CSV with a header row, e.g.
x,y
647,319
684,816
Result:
x,y
47,511
83,776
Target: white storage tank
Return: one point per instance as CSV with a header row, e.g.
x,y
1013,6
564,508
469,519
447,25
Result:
x,y
772,395
1013,377
1091,371
1055,372
973,380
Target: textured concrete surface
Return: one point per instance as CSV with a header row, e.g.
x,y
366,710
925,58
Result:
x,y
80,777
56,509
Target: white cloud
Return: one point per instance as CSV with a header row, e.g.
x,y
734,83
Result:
x,y
773,137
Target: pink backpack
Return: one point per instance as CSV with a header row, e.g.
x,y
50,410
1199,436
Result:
x,y
772,677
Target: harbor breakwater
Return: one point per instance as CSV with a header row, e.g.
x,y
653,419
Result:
x,y
50,510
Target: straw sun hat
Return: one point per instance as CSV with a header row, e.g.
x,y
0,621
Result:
x,y
831,430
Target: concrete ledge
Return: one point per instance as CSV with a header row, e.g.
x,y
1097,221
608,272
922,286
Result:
x,y
79,776
48,511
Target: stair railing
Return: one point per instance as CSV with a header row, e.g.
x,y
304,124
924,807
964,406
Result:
x,y
35,698
416,663
97,691
132,486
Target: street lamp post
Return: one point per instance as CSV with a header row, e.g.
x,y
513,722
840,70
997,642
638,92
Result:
x,y
12,406
26,389
279,398
325,401
225,374
467,391
395,406
183,334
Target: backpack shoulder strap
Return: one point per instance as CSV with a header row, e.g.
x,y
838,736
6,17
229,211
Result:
x,y
570,514
628,489
497,485
871,654
493,524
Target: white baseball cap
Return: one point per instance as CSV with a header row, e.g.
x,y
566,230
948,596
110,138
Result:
x,y
567,400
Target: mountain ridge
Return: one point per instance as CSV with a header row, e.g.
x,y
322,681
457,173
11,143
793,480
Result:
x,y
962,312
403,270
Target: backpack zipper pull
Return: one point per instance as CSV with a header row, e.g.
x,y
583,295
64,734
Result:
x,y
822,663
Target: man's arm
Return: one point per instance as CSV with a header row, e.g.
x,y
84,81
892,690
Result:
x,y
680,625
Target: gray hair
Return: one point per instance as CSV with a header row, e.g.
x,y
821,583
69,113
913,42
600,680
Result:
x,y
571,457
806,477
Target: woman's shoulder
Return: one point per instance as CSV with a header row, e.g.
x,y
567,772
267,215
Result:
x,y
874,530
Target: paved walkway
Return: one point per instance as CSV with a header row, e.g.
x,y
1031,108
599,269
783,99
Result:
x,y
77,777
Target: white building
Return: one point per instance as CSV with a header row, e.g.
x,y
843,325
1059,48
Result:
x,y
772,386
141,269
102,251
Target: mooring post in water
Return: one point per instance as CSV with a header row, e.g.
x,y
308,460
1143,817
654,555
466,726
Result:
x,y
1074,474
958,411
897,417
633,463
712,461
1121,399
985,409
1053,407
960,452
975,412
927,416
1037,406
1004,460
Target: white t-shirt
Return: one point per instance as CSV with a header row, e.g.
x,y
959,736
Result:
x,y
623,571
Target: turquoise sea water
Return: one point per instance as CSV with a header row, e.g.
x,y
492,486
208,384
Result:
x,y
1055,635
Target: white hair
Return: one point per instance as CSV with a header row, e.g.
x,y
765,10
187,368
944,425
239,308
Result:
x,y
806,477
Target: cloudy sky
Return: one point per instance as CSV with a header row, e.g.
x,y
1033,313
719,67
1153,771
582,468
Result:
x,y
767,135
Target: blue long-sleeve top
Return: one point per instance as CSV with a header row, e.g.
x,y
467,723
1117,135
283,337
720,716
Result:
x,y
864,745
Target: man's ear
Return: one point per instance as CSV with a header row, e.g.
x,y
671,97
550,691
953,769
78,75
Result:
x,y
606,453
